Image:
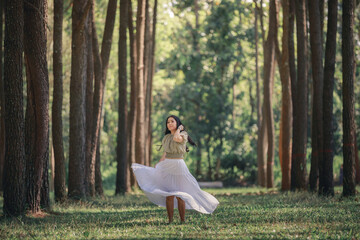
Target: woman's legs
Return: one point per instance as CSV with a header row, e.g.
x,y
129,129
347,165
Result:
x,y
181,207
170,207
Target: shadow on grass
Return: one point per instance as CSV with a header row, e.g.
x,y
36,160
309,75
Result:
x,y
121,219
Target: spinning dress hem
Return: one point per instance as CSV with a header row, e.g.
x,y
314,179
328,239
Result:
x,y
171,177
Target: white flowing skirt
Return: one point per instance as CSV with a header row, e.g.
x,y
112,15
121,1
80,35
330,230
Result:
x,y
171,177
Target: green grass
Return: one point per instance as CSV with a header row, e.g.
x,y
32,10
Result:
x,y
244,213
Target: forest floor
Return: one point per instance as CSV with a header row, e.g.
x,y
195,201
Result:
x,y
243,213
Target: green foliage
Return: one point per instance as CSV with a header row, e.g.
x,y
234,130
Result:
x,y
202,65
237,167
243,213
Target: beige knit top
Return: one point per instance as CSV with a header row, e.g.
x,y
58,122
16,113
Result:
x,y
174,149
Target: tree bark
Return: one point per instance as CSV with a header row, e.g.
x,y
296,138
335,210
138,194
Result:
x,y
262,142
140,115
52,166
89,95
317,98
147,84
100,67
14,167
2,101
96,114
292,66
298,160
133,99
258,97
57,127
77,101
30,136
326,182
286,103
348,97
292,69
269,63
45,185
151,73
105,57
35,13
121,175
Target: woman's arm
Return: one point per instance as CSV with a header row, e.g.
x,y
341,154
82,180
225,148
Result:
x,y
177,137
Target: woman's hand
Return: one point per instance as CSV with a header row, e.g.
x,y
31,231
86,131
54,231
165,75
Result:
x,y
177,137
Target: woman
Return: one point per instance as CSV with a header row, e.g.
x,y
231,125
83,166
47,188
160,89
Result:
x,y
170,183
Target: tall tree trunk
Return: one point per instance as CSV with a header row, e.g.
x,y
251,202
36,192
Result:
x,y
298,161
326,182
151,73
286,103
89,96
101,63
2,101
262,139
77,101
317,98
148,75
148,131
140,115
57,127
258,94
98,178
52,166
133,99
14,167
97,99
147,67
262,146
348,97
35,13
121,150
269,63
292,66
30,136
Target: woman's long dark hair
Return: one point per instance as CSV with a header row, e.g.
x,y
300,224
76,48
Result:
x,y
178,123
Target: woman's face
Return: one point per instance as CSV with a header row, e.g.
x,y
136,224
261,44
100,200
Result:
x,y
171,124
